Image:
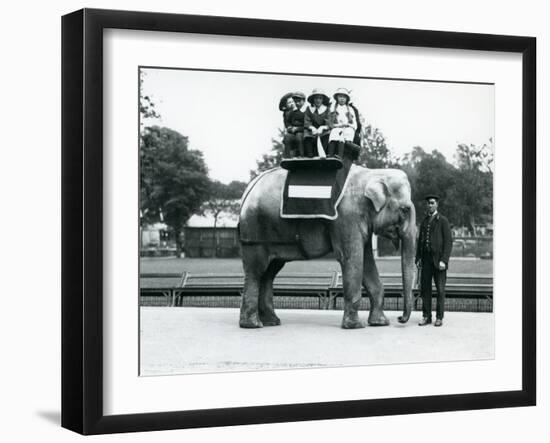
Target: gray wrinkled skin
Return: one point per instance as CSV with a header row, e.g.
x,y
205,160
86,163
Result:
x,y
375,201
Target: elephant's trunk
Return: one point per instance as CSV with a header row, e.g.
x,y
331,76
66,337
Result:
x,y
408,250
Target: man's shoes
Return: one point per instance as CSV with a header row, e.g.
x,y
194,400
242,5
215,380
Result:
x,y
425,321
438,322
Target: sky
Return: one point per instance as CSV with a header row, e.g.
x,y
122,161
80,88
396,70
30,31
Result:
x,y
232,117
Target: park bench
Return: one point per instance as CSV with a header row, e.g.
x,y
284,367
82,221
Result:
x,y
159,288
305,285
309,285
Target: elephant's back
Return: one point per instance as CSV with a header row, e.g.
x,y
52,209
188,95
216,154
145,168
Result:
x,y
259,220
264,192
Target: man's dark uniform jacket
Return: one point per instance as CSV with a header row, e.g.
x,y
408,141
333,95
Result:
x,y
440,240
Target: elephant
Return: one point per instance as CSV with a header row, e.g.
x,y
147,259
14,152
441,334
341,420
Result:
x,y
375,201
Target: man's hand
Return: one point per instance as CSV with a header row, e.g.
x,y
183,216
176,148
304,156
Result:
x,y
442,266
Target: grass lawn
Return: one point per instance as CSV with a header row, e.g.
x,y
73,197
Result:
x,y
234,265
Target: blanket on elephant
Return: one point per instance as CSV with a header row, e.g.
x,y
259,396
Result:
x,y
313,192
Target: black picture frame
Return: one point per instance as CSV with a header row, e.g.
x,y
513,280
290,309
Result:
x,y
82,216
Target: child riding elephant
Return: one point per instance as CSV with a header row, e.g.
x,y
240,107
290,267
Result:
x,y
316,129
342,122
293,117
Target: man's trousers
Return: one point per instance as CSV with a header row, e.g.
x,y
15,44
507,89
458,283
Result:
x,y
428,273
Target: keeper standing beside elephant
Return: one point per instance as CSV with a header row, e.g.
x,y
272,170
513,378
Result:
x,y
432,256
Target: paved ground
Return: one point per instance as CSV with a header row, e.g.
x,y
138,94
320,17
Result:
x,y
190,340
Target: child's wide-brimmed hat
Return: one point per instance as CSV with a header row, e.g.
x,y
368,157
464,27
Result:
x,y
342,91
316,92
284,98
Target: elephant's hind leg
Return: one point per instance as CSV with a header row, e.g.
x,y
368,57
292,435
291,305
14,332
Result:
x,y
373,285
266,308
254,264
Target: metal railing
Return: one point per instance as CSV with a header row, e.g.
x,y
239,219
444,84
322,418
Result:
x,y
464,292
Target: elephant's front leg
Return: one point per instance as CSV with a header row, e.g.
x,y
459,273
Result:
x,y
352,272
374,287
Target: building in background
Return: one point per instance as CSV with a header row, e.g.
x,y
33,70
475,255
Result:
x,y
156,240
203,236
206,236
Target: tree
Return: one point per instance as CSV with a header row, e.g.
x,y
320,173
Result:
x,y
272,158
473,190
173,179
466,190
375,152
476,157
235,189
429,173
146,105
224,199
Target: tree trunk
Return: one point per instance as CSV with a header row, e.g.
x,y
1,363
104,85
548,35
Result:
x,y
215,235
179,246
472,225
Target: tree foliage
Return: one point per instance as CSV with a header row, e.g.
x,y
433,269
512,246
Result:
x,y
466,189
473,191
146,106
224,200
174,179
272,158
375,152
428,173
472,157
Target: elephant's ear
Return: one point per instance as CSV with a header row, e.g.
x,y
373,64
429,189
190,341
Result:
x,y
376,191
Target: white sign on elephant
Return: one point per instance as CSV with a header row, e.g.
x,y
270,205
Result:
x,y
309,191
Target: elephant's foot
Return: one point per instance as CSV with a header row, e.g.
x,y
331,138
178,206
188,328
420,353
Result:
x,y
377,318
250,321
270,319
352,322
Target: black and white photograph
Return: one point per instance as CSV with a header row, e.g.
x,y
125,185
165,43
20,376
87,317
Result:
x,y
275,221
272,221
301,221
